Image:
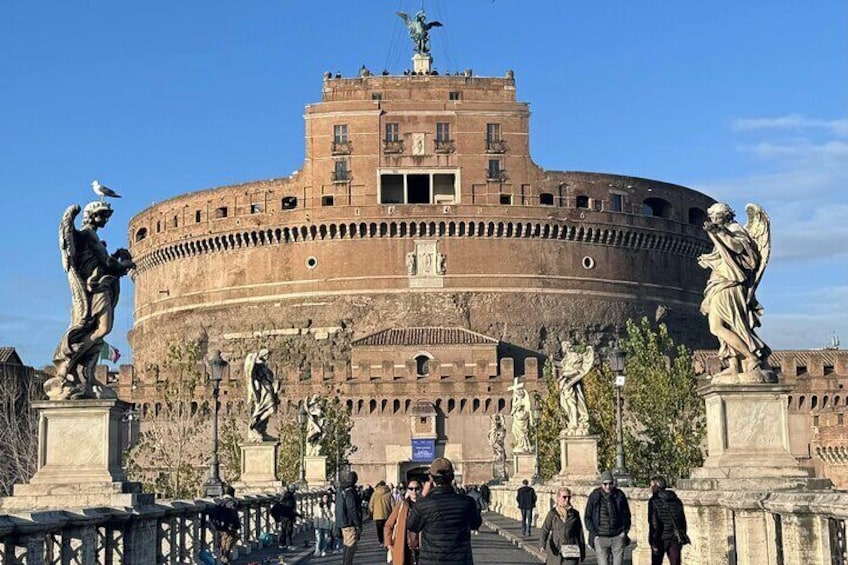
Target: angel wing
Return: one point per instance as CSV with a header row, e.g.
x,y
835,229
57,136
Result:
x,y
588,359
758,227
249,362
432,24
67,247
405,17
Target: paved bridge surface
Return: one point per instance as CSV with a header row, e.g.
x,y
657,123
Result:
x,y
499,542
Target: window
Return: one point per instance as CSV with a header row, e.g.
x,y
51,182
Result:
x,y
582,201
158,226
421,365
140,234
506,199
454,95
197,216
392,132
494,172
176,221
288,202
494,143
376,96
418,188
340,172
656,207
327,200
546,199
442,131
340,133
255,208
221,212
391,189
616,202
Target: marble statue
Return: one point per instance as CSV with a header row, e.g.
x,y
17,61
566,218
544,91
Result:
x,y
737,262
315,425
573,367
262,394
522,418
497,438
419,30
94,278
411,264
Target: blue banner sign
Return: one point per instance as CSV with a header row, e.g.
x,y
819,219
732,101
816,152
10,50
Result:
x,y
423,450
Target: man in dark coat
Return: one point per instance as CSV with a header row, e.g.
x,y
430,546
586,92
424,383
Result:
x,y
665,518
608,521
444,519
486,493
348,515
526,498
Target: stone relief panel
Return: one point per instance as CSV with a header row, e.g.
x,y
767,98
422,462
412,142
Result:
x,y
425,266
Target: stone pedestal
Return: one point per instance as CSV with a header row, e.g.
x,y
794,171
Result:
x,y
748,441
259,468
79,459
316,471
422,63
524,466
579,459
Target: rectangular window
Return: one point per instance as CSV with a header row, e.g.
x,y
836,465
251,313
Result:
x,y
221,212
493,132
340,133
444,188
327,200
617,202
494,171
376,96
255,208
454,95
197,216
340,172
392,132
506,199
391,189
442,131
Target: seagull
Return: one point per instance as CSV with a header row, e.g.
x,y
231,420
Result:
x,y
103,191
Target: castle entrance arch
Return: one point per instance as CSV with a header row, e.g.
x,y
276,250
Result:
x,y
413,470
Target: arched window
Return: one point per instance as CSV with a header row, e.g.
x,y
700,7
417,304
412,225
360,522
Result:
x,y
656,207
422,364
140,234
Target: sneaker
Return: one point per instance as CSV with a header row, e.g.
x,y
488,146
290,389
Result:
x,y
323,554
291,547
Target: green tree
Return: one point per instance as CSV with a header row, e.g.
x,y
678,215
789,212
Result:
x,y
549,426
665,418
172,451
290,434
600,400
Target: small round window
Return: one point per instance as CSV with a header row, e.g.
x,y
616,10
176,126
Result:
x,y
588,263
311,262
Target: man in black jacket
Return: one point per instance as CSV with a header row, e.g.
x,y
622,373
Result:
x,y
444,519
666,521
348,515
608,520
526,498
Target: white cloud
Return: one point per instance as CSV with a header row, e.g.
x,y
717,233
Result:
x,y
838,127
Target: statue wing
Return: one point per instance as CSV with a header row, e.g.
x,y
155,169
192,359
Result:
x,y
758,227
588,360
433,24
249,363
67,247
405,17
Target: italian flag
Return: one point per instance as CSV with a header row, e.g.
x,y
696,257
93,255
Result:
x,y
109,353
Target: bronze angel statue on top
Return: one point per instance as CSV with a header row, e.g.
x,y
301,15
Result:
x,y
419,30
94,278
737,262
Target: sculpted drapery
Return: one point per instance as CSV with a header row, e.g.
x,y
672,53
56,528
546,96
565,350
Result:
x,y
262,394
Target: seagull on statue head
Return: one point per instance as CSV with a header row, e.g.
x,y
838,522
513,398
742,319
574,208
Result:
x,y
103,191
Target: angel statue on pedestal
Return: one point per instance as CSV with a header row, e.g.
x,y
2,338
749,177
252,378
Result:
x,y
94,277
573,367
737,262
262,394
316,425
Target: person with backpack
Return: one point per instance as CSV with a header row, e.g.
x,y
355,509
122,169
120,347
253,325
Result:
x,y
666,523
224,519
348,515
285,514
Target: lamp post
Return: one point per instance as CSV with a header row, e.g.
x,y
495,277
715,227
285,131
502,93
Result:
x,y
537,415
336,440
214,485
301,420
616,359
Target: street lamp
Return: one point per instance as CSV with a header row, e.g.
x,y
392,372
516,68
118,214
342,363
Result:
x,y
336,441
214,485
616,359
301,420
537,415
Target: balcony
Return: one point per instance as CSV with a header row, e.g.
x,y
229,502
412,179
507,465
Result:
x,y
445,146
495,146
392,146
495,175
341,148
341,176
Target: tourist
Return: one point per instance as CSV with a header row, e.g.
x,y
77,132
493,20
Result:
x,y
526,498
562,533
444,519
380,506
324,524
608,521
285,514
486,494
401,543
666,523
348,515
224,518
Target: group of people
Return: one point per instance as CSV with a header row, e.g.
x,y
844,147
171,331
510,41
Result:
x,y
607,519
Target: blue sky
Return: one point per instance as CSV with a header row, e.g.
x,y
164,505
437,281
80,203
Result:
x,y
746,101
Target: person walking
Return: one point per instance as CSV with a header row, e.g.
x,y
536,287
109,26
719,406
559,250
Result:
x,y
486,493
666,523
402,543
608,521
324,524
380,506
562,537
444,519
348,515
224,518
526,498
285,514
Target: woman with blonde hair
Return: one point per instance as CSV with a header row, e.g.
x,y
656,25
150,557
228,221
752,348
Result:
x,y
562,532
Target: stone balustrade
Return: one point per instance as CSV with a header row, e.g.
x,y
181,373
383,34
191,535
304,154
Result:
x,y
167,532
728,527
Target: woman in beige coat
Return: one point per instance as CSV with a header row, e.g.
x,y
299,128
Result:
x,y
402,543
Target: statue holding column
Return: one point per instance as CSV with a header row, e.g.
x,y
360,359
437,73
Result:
x,y
262,394
315,425
522,418
572,369
737,262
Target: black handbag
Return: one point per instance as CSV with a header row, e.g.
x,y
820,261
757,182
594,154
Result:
x,y
680,536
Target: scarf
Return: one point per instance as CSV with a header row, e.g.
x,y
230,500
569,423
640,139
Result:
x,y
562,511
